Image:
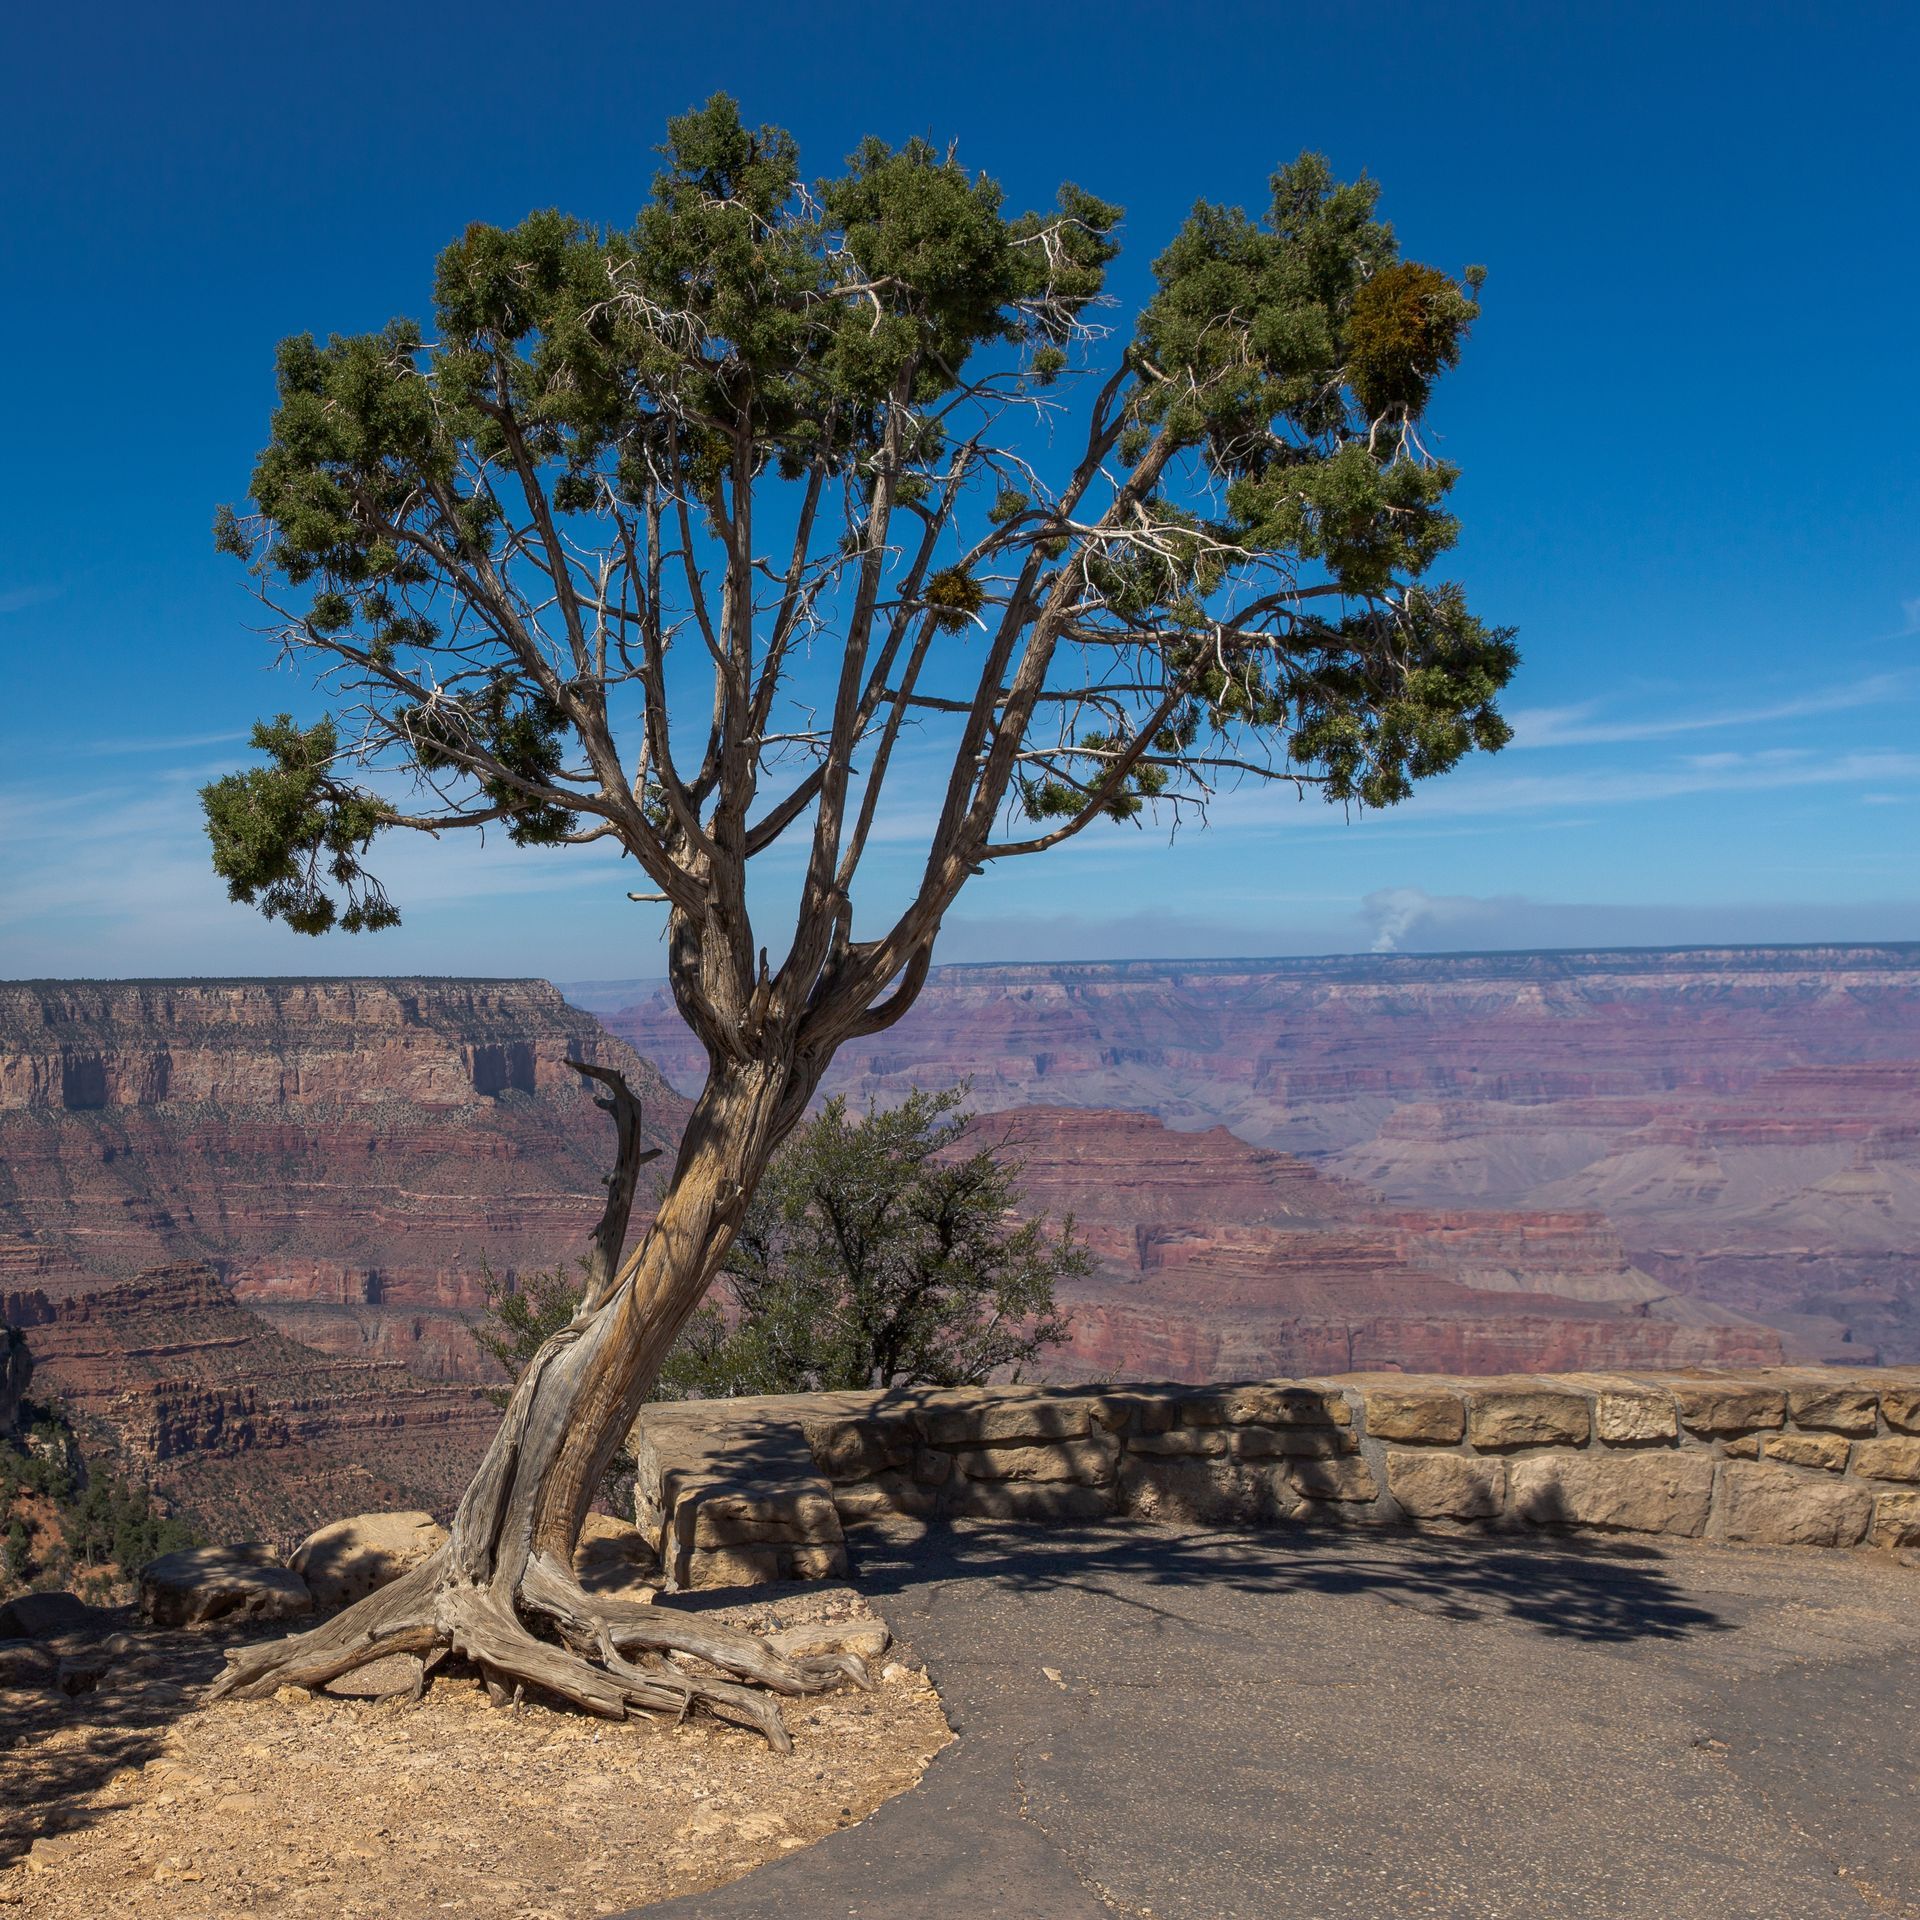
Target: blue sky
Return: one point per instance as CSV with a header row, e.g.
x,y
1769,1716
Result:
x,y
1686,422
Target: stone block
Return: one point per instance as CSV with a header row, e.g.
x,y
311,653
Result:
x,y
349,1559
1179,1442
1634,1416
1779,1507
1348,1478
1901,1405
1896,1521
1204,1492
1893,1459
706,1521
1446,1486
1718,1407
931,1467
1295,1443
849,1449
1834,1409
823,1562
1028,1500
886,1495
732,1567
1827,1451
1141,1412
1745,1446
1084,1462
220,1583
1286,1403
1528,1417
1639,1493
1428,1416
988,1419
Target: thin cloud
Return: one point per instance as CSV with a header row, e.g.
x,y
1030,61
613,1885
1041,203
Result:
x,y
1577,726
18,599
166,743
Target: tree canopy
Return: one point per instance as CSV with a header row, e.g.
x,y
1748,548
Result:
x,y
667,535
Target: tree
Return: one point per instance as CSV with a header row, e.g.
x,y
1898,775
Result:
x,y
877,1254
874,1254
679,539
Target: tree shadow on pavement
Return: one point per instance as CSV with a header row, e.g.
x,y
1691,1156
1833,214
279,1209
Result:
x,y
1574,1591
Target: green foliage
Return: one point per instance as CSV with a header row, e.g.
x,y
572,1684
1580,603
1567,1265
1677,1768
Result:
x,y
105,1519
876,1253
521,1316
434,504
281,832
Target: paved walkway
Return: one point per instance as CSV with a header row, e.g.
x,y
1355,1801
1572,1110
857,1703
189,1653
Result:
x,y
1247,1727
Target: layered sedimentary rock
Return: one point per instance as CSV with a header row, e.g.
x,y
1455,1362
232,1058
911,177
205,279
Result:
x,y
352,1155
1218,1260
1747,1119
242,1430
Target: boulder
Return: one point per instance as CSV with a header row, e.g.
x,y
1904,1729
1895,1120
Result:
x,y
614,1561
26,1663
242,1582
347,1560
45,1616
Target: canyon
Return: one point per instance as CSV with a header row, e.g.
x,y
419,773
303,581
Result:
x,y
245,1225
353,1157
1746,1121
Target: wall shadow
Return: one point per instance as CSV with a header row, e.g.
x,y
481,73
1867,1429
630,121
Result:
x,y
1570,1590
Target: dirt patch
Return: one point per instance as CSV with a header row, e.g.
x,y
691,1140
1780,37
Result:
x,y
133,1800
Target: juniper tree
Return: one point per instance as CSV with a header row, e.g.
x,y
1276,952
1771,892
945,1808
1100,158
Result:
x,y
685,537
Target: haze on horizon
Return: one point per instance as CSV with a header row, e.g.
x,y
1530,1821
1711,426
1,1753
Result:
x,y
1698,529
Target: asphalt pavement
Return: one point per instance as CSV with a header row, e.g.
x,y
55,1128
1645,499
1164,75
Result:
x,y
1248,1726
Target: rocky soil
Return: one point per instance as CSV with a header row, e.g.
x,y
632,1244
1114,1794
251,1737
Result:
x,y
131,1800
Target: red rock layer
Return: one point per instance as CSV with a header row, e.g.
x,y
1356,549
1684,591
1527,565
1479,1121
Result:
x,y
1223,1261
1746,1120
353,1155
242,1430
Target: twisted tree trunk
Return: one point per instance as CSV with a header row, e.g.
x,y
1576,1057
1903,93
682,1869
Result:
x,y
503,1579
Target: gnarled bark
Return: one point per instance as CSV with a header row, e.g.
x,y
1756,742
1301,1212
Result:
x,y
502,1582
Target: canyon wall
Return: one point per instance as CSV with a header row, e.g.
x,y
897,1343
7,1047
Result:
x,y
238,1429
1223,1261
351,1155
1745,1120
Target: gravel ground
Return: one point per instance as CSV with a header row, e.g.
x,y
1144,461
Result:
x,y
133,1801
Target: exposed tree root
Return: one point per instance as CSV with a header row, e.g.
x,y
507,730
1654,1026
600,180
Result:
x,y
597,1667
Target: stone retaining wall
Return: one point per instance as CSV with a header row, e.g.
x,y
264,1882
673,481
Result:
x,y
738,1492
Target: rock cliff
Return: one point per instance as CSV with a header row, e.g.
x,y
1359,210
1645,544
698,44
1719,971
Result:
x,y
238,1428
1745,1119
1219,1260
349,1154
